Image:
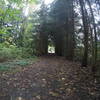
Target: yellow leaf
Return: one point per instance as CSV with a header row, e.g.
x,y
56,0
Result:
x,y
54,94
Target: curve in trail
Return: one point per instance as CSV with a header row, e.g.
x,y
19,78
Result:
x,y
50,78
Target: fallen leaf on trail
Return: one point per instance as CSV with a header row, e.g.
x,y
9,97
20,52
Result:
x,y
54,94
38,97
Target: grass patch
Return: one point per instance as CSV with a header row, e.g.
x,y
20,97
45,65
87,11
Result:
x,y
12,65
4,67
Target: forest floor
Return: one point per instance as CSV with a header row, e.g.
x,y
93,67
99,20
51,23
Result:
x,y
50,78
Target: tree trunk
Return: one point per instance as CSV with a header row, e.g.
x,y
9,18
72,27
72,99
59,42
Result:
x,y
85,25
43,44
58,44
95,40
70,31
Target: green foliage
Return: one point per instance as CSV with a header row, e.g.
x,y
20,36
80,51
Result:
x,y
8,52
10,65
98,57
16,39
4,68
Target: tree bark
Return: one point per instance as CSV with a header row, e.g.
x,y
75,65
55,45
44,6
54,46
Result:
x,y
70,31
95,34
85,25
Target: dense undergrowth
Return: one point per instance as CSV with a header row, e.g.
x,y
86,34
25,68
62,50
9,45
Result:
x,y
12,57
8,52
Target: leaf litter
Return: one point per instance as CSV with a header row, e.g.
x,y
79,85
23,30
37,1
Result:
x,y
50,78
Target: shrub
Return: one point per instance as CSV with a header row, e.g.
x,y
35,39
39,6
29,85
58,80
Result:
x,y
9,53
13,52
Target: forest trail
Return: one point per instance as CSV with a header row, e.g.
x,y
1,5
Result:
x,y
50,78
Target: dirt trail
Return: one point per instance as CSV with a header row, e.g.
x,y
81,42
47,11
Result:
x,y
50,78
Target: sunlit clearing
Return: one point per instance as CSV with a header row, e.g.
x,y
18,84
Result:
x,y
51,49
